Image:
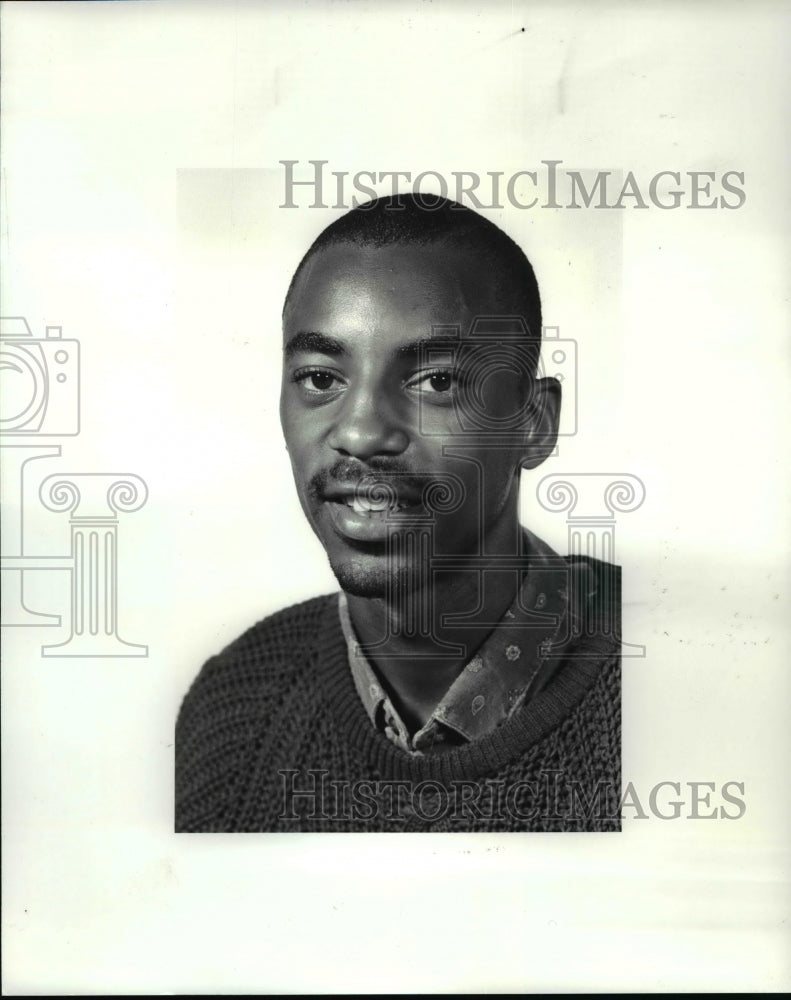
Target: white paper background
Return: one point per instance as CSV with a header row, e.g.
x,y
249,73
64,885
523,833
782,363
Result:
x,y
140,197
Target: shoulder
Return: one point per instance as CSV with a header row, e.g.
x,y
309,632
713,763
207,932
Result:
x,y
594,583
604,577
595,603
285,628
236,693
282,637
602,588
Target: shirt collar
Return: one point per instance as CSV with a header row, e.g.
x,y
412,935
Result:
x,y
514,662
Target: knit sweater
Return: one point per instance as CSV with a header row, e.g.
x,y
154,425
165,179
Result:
x,y
272,736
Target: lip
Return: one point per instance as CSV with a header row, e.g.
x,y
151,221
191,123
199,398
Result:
x,y
372,526
345,494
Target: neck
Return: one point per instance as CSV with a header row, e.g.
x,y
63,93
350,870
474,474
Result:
x,y
421,640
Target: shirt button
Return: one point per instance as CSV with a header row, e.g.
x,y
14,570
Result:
x,y
512,652
477,703
374,690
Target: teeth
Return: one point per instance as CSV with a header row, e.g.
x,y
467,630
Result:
x,y
362,505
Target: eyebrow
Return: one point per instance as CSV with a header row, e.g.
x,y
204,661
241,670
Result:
x,y
417,348
306,341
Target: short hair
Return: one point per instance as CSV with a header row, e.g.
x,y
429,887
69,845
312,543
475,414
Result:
x,y
430,220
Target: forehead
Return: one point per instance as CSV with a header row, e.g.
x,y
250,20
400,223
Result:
x,y
395,290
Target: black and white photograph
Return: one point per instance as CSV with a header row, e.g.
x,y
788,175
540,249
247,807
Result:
x,y
393,440
485,693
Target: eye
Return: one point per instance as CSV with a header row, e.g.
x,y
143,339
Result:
x,y
438,382
441,381
317,381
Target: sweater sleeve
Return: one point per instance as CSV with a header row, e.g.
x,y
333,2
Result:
x,y
211,739
230,707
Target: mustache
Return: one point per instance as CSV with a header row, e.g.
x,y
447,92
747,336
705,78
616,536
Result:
x,y
348,474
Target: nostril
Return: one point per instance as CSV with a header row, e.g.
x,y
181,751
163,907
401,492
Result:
x,y
365,427
362,440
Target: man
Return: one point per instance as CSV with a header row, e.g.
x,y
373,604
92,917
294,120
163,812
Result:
x,y
466,677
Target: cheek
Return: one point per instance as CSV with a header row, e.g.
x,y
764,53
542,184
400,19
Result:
x,y
502,480
480,478
285,419
504,399
297,425
296,445
493,394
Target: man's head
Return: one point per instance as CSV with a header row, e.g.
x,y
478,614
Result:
x,y
411,337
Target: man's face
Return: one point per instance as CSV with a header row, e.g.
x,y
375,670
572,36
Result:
x,y
373,421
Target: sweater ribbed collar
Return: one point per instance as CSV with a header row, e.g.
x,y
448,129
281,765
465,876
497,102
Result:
x,y
581,658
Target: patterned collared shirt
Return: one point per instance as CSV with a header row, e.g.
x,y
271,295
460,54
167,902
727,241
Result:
x,y
512,664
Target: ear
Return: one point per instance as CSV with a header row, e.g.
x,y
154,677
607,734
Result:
x,y
541,422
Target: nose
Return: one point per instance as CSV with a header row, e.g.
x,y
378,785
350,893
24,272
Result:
x,y
366,425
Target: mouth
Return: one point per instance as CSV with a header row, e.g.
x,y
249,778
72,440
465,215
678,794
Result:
x,y
371,515
365,506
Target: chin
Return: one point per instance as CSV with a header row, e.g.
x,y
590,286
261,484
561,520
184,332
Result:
x,y
359,582
373,578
